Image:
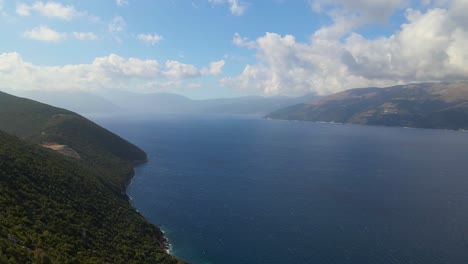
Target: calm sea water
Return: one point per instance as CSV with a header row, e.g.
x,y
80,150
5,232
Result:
x,y
238,190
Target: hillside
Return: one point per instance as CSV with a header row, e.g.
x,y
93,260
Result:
x,y
41,123
56,208
424,105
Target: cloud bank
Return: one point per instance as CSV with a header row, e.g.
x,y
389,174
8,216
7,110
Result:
x,y
46,34
106,72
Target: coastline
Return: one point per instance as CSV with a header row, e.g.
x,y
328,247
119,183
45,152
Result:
x,y
163,240
360,124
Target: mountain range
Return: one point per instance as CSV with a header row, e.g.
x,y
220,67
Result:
x,y
117,101
420,105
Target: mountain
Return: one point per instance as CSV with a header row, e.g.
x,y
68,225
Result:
x,y
123,102
62,191
163,103
77,101
422,105
257,105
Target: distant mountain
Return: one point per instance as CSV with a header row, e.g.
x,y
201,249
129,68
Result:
x,y
423,105
172,103
62,191
117,101
161,103
257,105
77,101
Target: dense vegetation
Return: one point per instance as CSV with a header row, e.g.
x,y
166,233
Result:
x,y
424,105
57,209
42,123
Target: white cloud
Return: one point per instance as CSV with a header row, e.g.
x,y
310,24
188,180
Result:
x,y
44,33
216,68
103,72
236,7
243,41
114,65
348,15
178,70
430,46
117,24
150,39
121,3
49,9
458,10
375,10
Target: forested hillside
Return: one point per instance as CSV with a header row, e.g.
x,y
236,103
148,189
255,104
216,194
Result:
x,y
60,209
41,123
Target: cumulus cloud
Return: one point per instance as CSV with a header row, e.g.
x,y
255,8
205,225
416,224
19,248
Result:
x,y
107,72
178,70
49,9
46,34
429,46
216,68
150,39
348,15
236,7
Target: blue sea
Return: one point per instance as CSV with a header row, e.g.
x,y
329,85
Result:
x,y
245,190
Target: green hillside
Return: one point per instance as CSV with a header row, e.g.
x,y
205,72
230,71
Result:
x,y
59,209
41,123
424,105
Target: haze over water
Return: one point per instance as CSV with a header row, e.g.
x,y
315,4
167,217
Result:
x,y
242,190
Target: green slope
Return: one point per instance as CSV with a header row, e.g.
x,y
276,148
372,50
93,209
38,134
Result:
x,y
42,123
58,209
424,105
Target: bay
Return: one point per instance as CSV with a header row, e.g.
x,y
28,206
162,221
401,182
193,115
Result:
x,y
244,190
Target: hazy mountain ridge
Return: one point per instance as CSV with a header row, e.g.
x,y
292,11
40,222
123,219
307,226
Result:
x,y
61,209
77,101
116,101
422,105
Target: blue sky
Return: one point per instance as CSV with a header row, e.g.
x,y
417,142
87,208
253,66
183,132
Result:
x,y
225,48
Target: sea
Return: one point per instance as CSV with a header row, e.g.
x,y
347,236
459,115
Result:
x,y
246,190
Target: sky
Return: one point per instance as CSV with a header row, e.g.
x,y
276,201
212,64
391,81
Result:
x,y
228,48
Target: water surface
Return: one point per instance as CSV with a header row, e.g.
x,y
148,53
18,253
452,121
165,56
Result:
x,y
240,190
